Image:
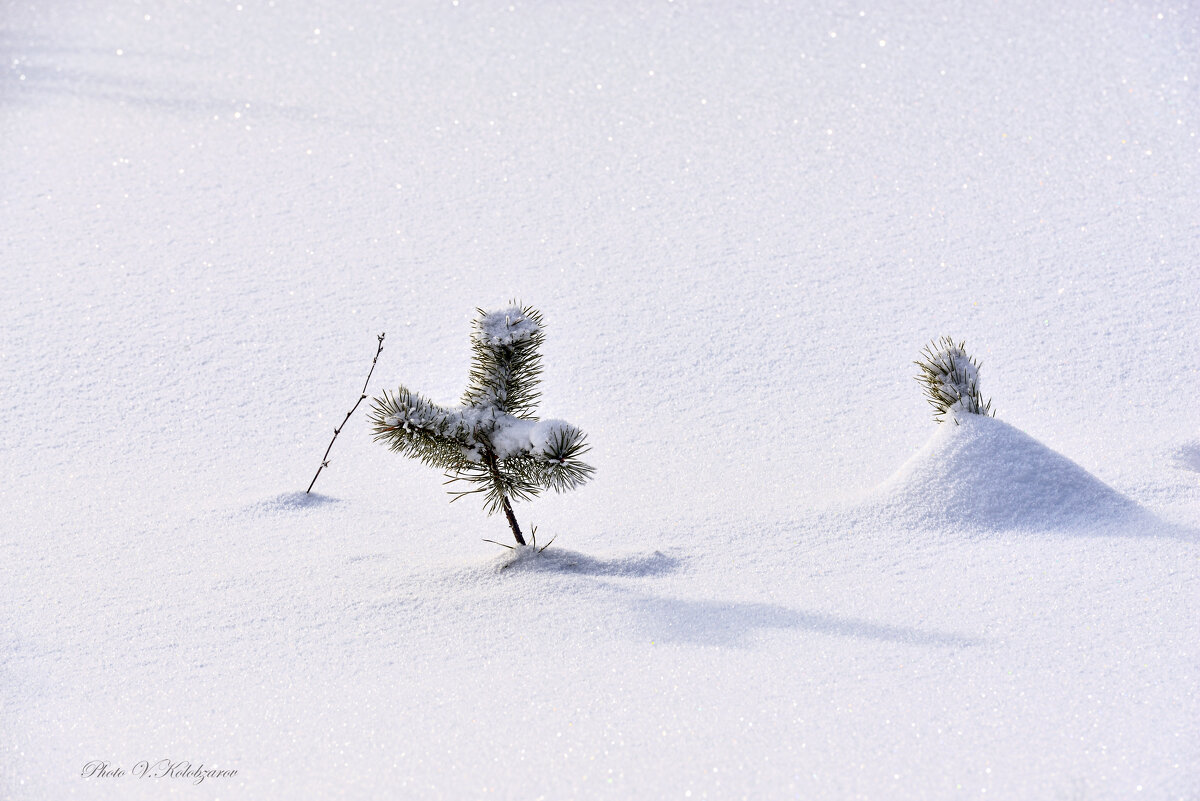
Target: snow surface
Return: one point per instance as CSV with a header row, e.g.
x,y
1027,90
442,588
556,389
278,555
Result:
x,y
741,222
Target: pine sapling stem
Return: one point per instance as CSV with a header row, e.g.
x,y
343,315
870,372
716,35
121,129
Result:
x,y
490,458
361,397
512,520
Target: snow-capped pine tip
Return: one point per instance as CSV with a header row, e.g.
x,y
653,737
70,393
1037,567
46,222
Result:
x,y
950,379
508,326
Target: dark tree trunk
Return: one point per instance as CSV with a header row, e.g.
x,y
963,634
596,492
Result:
x,y
490,458
512,520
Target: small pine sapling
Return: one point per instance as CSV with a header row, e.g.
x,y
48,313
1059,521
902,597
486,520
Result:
x,y
493,441
951,381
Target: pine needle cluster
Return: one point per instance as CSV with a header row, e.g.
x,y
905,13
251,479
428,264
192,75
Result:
x,y
951,380
492,443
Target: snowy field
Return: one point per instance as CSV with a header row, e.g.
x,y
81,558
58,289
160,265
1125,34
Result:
x,y
741,222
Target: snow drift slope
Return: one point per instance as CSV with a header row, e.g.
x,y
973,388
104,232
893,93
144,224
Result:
x,y
986,473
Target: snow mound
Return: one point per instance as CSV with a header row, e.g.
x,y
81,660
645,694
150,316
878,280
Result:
x,y
985,473
289,502
561,560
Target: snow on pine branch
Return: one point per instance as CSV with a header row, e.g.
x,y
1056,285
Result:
x,y
951,380
507,326
407,416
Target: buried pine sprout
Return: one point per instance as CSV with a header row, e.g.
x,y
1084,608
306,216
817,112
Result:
x,y
951,381
492,442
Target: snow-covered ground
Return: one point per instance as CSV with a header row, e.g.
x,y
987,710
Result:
x,y
741,222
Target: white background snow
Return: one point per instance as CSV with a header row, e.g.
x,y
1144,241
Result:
x,y
741,222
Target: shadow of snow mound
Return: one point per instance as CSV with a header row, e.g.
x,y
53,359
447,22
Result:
x,y
733,624
987,474
560,560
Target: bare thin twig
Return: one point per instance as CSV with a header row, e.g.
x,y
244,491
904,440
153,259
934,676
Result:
x,y
362,397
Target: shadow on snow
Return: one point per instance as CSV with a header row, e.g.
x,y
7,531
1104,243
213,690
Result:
x,y
731,624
